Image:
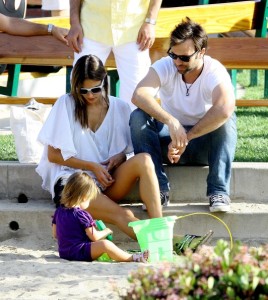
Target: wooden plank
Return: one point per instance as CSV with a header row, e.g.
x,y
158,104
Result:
x,y
231,16
57,21
251,103
233,53
24,100
51,100
215,18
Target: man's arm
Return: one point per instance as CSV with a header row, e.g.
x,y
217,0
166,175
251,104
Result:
x,y
75,36
223,105
17,26
146,35
144,98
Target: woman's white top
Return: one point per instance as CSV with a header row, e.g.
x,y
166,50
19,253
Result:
x,y
63,132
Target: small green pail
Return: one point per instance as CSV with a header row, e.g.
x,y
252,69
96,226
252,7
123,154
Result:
x,y
156,235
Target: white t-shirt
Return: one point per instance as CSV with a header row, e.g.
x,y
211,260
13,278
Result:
x,y
55,4
61,131
189,109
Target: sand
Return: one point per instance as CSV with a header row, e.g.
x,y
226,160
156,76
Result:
x,y
31,269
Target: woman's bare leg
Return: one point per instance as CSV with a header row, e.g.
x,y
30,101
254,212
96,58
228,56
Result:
x,y
139,167
103,208
117,254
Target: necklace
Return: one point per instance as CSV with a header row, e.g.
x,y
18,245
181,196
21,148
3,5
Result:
x,y
188,88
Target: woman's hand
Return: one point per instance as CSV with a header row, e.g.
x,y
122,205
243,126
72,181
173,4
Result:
x,y
102,175
114,161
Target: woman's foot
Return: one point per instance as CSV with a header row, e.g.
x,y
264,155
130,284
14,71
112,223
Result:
x,y
141,256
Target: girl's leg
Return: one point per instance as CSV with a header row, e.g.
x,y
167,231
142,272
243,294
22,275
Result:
x,y
117,254
103,208
139,167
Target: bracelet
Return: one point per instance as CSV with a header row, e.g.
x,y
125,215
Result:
x,y
50,28
150,21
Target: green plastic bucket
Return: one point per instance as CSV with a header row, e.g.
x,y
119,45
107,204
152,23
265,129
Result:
x,y
156,235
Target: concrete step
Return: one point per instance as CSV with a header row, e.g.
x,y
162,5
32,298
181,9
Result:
x,y
246,222
188,184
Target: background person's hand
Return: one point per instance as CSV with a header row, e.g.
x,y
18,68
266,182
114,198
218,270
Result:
x,y
75,38
60,34
146,36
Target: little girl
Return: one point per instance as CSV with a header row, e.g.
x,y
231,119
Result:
x,y
75,229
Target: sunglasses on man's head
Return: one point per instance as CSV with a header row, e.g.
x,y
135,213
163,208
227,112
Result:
x,y
94,90
184,58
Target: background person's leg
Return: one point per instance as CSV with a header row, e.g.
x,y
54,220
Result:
x,y
132,66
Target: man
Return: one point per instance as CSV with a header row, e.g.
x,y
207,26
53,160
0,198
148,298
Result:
x,y
195,123
125,27
17,26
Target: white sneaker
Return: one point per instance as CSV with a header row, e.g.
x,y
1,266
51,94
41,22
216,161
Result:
x,y
219,203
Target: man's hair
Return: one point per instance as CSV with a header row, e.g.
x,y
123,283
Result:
x,y
186,30
79,187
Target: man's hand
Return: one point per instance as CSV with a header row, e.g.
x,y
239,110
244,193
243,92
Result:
x,y
178,134
174,154
146,36
75,38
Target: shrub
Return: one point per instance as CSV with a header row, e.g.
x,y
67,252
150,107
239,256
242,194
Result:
x,y
211,273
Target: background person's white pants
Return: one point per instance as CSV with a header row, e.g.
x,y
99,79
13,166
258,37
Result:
x,y
132,64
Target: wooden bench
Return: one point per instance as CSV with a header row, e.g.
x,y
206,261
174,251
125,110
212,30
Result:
x,y
234,53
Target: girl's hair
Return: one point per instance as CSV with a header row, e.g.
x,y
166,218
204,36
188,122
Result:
x,y
188,29
79,187
87,67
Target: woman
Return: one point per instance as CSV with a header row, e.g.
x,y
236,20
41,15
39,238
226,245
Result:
x,y
88,130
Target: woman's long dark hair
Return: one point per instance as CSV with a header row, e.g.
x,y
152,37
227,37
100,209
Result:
x,y
87,67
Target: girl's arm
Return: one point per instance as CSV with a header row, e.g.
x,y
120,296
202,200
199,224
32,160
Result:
x,y
54,232
96,235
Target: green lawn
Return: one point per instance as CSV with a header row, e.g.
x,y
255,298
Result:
x,y
252,123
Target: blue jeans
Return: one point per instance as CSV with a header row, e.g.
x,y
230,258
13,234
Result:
x,y
215,149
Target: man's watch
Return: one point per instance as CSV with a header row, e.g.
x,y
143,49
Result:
x,y
150,21
50,28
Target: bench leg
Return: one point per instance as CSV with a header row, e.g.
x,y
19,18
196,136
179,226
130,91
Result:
x,y
114,82
233,74
12,82
265,84
253,78
68,79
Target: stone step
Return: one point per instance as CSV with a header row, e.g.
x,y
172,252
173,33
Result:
x,y
246,222
188,184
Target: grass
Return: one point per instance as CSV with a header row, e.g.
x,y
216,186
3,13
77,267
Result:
x,y
252,124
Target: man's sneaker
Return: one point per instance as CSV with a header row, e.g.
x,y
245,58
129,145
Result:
x,y
219,203
164,197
